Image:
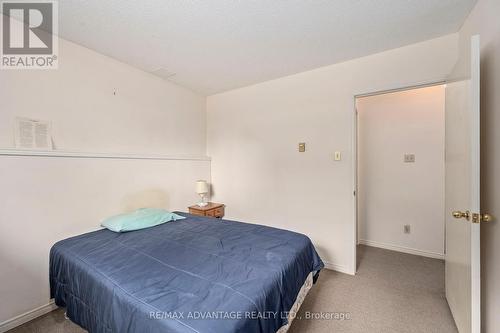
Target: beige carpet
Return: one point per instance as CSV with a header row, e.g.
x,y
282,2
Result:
x,y
392,292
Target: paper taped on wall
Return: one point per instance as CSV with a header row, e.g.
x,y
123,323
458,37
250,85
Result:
x,y
32,134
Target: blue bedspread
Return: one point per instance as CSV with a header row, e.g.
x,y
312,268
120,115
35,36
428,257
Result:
x,y
193,275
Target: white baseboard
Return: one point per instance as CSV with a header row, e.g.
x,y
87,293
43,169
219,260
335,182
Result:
x,y
25,317
403,249
338,268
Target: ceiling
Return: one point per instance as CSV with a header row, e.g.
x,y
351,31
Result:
x,y
211,46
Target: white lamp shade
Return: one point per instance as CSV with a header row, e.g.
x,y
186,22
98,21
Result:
x,y
201,187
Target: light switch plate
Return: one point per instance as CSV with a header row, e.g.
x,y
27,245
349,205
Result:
x,y
338,156
409,158
302,147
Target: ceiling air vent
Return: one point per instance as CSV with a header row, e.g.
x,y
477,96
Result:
x,y
163,73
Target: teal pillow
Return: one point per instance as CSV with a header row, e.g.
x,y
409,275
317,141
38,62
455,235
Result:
x,y
139,219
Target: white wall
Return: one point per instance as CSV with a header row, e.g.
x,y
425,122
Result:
x,y
484,21
45,199
253,134
147,114
392,193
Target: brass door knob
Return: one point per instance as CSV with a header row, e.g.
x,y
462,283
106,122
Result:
x,y
476,218
458,215
486,218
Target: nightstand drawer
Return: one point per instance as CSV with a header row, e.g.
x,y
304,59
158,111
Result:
x,y
211,209
196,212
219,212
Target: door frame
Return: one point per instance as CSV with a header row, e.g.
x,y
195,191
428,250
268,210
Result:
x,y
354,152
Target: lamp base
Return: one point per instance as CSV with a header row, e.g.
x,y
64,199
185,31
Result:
x,y
202,204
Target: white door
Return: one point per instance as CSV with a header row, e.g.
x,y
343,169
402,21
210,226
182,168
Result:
x,y
462,198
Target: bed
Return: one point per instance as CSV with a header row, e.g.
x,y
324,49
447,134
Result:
x,y
193,275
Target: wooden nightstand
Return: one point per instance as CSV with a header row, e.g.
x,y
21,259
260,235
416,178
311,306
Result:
x,y
211,210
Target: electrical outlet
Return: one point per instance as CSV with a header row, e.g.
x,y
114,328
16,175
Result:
x,y
302,147
409,158
406,229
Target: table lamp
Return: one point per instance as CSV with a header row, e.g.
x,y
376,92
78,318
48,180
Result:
x,y
202,190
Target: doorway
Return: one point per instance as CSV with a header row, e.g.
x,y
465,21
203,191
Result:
x,y
462,192
401,171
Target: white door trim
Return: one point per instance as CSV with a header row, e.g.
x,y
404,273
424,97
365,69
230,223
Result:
x,y
475,185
